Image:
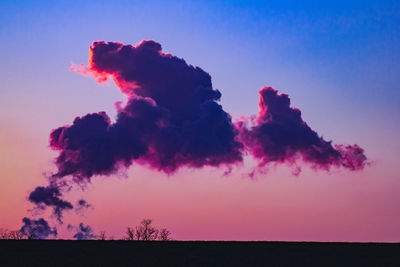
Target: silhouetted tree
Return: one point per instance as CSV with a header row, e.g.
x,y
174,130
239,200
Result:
x,y
102,235
3,234
164,235
145,231
14,234
130,234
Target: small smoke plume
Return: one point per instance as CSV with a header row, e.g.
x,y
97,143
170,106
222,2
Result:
x,y
81,206
83,232
279,134
50,196
37,229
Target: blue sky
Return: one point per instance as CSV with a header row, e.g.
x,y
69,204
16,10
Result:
x,y
339,61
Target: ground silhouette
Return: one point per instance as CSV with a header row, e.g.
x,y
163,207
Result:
x,y
195,253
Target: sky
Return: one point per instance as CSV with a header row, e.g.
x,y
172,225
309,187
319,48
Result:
x,y
339,61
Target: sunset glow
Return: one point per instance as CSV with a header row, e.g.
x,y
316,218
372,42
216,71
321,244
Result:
x,y
228,121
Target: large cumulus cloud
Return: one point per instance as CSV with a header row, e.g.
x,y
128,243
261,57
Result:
x,y
172,119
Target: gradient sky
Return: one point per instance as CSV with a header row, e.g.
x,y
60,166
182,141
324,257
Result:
x,y
339,61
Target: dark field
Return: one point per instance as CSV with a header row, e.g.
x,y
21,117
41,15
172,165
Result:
x,y
181,253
